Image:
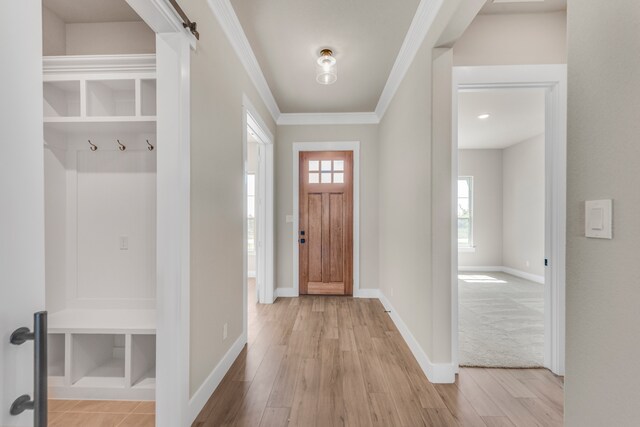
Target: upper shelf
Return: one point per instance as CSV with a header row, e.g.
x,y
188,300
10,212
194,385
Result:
x,y
99,89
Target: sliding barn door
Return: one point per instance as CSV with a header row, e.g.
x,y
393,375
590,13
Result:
x,y
325,237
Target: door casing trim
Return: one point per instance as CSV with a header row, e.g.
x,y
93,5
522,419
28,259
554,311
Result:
x,y
327,146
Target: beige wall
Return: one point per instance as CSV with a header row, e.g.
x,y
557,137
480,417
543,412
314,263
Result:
x,y
538,38
485,166
54,35
603,316
524,206
218,81
368,137
106,38
110,38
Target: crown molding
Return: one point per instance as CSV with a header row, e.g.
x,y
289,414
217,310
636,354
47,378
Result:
x,y
231,26
422,21
328,119
84,64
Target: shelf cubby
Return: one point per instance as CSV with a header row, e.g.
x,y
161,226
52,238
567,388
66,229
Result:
x,y
143,361
98,360
111,98
56,355
148,97
61,98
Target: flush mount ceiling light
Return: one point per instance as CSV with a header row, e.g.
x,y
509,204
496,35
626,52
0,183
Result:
x,y
327,71
484,116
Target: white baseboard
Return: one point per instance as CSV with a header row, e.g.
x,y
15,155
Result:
x,y
286,293
205,391
367,293
438,373
518,273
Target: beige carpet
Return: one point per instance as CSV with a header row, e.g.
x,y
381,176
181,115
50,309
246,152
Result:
x,y
501,321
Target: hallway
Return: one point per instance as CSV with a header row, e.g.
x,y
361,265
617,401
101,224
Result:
x,y
327,361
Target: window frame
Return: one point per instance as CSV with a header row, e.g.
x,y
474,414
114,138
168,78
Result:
x,y
469,245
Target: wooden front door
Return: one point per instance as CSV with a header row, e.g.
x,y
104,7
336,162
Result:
x,y
325,236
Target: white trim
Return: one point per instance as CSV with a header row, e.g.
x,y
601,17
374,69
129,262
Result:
x,y
173,229
422,21
286,293
512,271
367,293
328,119
162,18
230,24
251,274
265,181
466,249
553,78
202,395
327,146
438,373
92,64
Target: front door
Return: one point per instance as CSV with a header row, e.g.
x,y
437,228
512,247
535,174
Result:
x,y
325,237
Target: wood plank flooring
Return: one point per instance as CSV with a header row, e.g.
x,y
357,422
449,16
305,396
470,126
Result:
x,y
339,361
101,413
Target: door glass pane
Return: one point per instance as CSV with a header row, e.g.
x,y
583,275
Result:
x,y
338,165
314,178
338,178
326,165
326,177
314,165
463,188
463,207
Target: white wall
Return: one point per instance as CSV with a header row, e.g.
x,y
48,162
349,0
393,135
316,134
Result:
x,y
603,320
512,39
524,206
368,137
485,166
218,82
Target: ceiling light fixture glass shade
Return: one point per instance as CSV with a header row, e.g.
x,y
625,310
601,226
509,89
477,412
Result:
x,y
326,71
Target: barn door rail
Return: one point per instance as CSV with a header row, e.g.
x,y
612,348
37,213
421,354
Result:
x,y
39,338
186,22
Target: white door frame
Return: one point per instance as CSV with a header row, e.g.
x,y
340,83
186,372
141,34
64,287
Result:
x,y
327,146
173,51
552,78
265,244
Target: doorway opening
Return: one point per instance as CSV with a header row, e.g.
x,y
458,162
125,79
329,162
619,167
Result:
x,y
501,227
508,202
259,213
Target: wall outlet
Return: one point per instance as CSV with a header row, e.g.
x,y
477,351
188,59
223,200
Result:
x,y
124,243
224,332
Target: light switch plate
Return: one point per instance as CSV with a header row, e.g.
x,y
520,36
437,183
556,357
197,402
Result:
x,y
598,219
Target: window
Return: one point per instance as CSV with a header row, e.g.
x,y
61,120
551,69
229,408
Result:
x,y
465,212
321,172
251,212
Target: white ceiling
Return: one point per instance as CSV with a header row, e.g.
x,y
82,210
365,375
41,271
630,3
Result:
x,y
523,6
91,11
516,115
287,35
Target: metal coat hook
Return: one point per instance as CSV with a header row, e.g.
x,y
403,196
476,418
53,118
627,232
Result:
x,y
150,147
92,146
121,146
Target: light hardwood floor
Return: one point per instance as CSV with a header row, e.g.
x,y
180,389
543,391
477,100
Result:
x,y
101,413
338,361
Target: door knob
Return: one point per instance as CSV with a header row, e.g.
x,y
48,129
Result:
x,y
302,241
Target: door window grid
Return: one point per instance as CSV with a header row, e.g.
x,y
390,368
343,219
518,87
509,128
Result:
x,y
326,172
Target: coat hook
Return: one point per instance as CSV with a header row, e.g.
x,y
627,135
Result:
x,y
121,146
92,147
150,147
